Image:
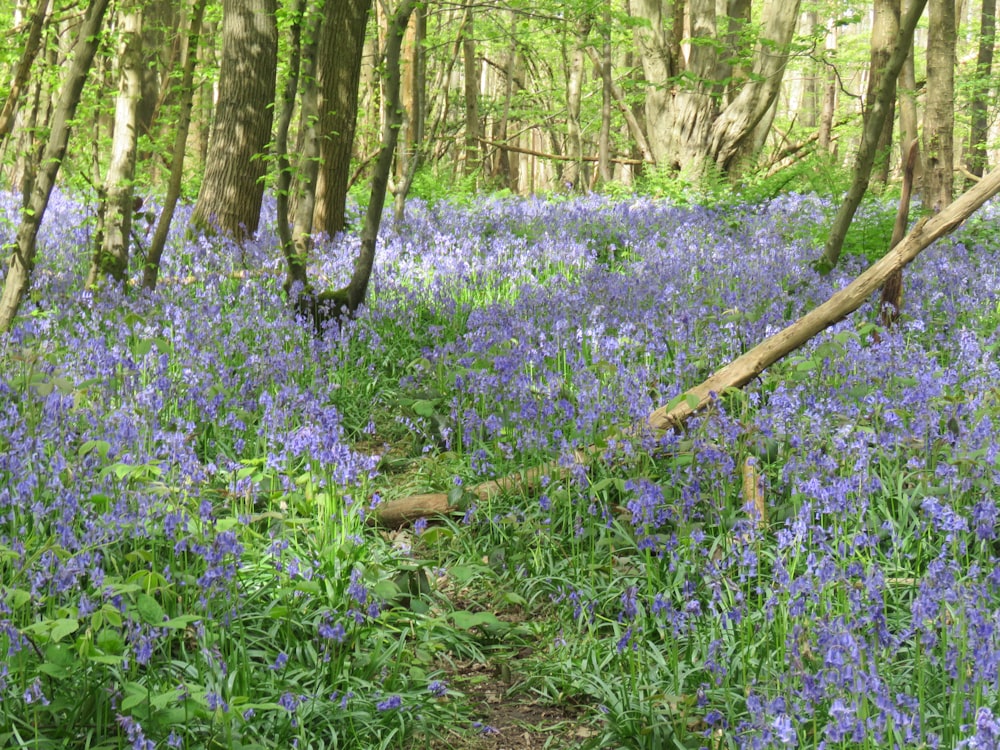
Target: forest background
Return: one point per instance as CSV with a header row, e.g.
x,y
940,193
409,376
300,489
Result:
x,y
364,376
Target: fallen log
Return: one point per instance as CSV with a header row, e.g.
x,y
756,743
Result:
x,y
741,370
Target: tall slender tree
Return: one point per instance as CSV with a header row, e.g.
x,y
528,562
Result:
x,y
22,250
112,247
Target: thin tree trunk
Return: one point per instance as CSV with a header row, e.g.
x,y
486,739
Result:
x,y
885,29
869,139
309,150
111,253
472,134
151,270
31,47
908,107
829,107
981,99
573,174
296,265
634,127
607,95
23,250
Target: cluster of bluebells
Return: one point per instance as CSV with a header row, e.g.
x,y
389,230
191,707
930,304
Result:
x,y
168,421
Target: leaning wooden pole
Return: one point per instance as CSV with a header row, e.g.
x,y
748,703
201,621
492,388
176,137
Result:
x,y
737,373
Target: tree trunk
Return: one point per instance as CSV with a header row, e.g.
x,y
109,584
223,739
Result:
x,y
869,139
332,304
23,249
295,264
740,118
111,255
339,70
31,47
233,190
607,95
885,29
829,107
908,107
981,97
573,175
939,114
190,57
471,70
687,130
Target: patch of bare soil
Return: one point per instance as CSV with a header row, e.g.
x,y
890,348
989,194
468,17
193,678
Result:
x,y
514,721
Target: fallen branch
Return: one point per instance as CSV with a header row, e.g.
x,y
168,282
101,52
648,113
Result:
x,y
740,371
743,369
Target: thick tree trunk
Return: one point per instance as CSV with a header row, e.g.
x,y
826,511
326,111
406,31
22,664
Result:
x,y
111,255
869,139
739,119
339,70
22,260
982,92
190,56
939,114
687,131
232,191
332,304
885,29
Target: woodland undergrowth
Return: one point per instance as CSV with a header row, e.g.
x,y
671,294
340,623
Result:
x,y
188,479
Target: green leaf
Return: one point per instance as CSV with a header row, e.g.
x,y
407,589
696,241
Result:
x,y
466,620
149,610
100,447
424,408
136,694
63,627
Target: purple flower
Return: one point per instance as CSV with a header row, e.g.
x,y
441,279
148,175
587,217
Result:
x,y
438,688
391,703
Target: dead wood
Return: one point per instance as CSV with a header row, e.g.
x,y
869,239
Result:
x,y
741,370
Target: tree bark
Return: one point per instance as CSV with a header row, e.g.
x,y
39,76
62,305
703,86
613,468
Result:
x,y
151,270
908,106
23,249
885,29
472,134
339,70
333,304
111,255
981,98
869,139
573,175
939,114
829,93
233,190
